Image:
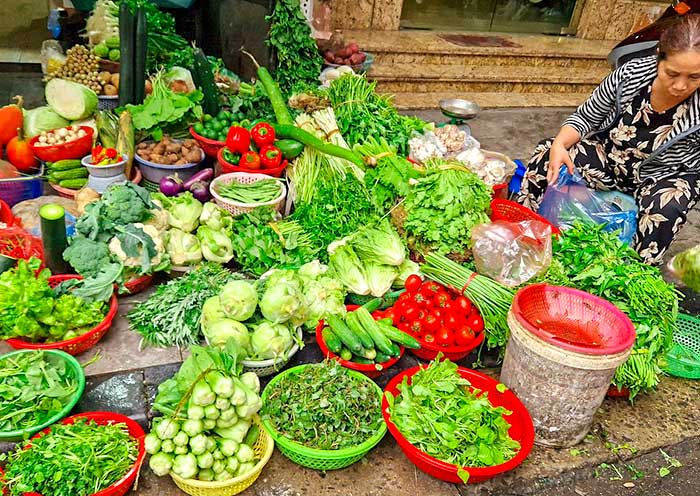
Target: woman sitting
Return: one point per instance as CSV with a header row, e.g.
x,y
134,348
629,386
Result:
x,y
638,133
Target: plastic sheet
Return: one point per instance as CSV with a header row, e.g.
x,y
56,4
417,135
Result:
x,y
571,201
512,252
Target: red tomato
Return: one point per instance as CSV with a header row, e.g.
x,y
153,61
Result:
x,y
476,323
444,337
405,327
429,338
405,296
417,327
464,305
431,323
438,312
464,336
429,289
441,299
378,314
413,282
451,322
409,313
390,313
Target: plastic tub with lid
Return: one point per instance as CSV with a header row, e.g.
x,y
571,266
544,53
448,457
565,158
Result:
x,y
562,353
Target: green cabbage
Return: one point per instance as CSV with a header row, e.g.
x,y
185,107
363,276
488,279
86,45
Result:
x,y
216,246
687,265
212,311
380,278
214,217
271,340
347,267
42,119
183,210
406,269
70,100
324,296
380,244
183,248
282,302
224,332
239,299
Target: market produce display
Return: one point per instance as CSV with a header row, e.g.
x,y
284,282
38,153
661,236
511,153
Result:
x,y
466,430
170,152
207,432
323,406
89,456
34,311
37,385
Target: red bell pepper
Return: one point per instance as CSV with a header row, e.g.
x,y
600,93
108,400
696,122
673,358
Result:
x,y
263,134
238,139
270,157
250,160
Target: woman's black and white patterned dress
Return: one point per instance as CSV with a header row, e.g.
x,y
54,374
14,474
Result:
x,y
617,160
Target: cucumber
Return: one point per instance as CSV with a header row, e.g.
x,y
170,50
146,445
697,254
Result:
x,y
332,341
395,350
382,358
140,53
53,236
361,360
373,304
73,183
204,80
398,336
69,174
355,299
126,50
382,343
353,323
368,353
348,338
63,165
346,354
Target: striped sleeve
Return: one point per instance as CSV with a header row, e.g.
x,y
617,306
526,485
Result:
x,y
591,114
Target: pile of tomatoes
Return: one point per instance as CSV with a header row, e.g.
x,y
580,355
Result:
x,y
434,314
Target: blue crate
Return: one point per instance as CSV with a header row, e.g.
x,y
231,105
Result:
x,y
19,189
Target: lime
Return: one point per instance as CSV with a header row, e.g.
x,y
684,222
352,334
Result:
x,y
207,117
198,128
216,125
222,137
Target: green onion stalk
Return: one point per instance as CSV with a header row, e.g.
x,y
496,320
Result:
x,y
491,298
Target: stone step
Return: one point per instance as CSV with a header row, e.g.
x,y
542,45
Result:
x,y
487,74
424,100
466,86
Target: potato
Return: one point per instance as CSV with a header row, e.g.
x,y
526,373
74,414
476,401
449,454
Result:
x,y
159,149
173,148
114,79
182,161
110,90
194,156
172,157
105,77
142,146
156,158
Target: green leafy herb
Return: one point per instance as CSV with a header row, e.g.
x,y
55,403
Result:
x,y
443,207
34,386
72,459
298,59
324,407
465,428
171,316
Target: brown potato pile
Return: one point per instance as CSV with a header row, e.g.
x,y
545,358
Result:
x,y
170,152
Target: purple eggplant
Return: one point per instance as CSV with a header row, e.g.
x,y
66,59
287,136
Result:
x,y
171,185
204,175
200,190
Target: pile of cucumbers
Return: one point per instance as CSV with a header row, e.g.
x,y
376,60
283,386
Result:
x,y
360,339
69,174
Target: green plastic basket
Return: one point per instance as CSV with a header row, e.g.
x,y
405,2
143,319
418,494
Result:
x,y
315,458
684,358
75,368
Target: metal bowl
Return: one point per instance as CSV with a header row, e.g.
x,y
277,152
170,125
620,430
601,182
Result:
x,y
459,109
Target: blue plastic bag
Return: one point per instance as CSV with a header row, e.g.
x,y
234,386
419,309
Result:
x,y
571,201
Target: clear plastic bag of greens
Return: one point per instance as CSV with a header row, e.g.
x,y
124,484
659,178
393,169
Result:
x,y
512,253
570,201
686,267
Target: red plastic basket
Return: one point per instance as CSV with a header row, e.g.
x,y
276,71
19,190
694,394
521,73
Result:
x,y
76,345
369,370
211,147
511,211
429,351
227,168
123,485
139,284
521,429
65,151
6,216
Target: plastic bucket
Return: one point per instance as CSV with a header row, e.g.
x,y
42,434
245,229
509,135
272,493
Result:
x,y
562,353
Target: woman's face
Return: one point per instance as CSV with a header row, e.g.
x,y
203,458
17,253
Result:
x,y
679,74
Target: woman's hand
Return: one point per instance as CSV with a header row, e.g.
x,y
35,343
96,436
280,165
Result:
x,y
558,156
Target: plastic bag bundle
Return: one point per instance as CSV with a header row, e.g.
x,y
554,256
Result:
x,y
512,252
571,201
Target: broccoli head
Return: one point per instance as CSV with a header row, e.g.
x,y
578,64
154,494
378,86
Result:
x,y
127,204
86,256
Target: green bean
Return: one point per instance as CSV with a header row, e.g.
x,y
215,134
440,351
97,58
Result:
x,y
262,191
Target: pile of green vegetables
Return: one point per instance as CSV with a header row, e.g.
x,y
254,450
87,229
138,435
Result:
x,y
35,386
443,206
362,112
196,231
30,309
262,191
171,316
587,258
465,428
298,62
371,261
322,406
81,458
248,328
207,433
121,234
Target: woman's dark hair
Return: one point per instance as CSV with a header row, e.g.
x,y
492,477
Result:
x,y
681,36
